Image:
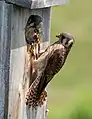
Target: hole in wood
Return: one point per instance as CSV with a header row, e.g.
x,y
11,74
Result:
x,y
33,34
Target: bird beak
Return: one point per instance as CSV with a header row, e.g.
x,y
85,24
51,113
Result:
x,y
58,36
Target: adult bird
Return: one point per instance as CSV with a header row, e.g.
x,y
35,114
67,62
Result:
x,y
49,64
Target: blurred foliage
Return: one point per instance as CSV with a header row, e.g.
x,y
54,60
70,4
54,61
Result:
x,y
73,84
81,113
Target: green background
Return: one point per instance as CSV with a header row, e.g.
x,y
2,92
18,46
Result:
x,y
70,91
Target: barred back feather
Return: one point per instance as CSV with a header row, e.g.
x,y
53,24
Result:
x,y
54,58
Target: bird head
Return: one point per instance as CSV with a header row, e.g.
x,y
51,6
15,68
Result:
x,y
33,29
34,20
66,39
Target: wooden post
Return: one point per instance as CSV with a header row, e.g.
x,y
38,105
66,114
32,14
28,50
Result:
x,y
17,106
13,20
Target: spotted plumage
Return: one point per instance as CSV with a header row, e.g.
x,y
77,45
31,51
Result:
x,y
53,58
32,35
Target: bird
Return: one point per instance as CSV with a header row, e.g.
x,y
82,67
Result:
x,y
32,35
49,64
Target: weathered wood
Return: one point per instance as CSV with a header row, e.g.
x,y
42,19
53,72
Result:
x,y
12,59
17,108
13,56
4,58
32,4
